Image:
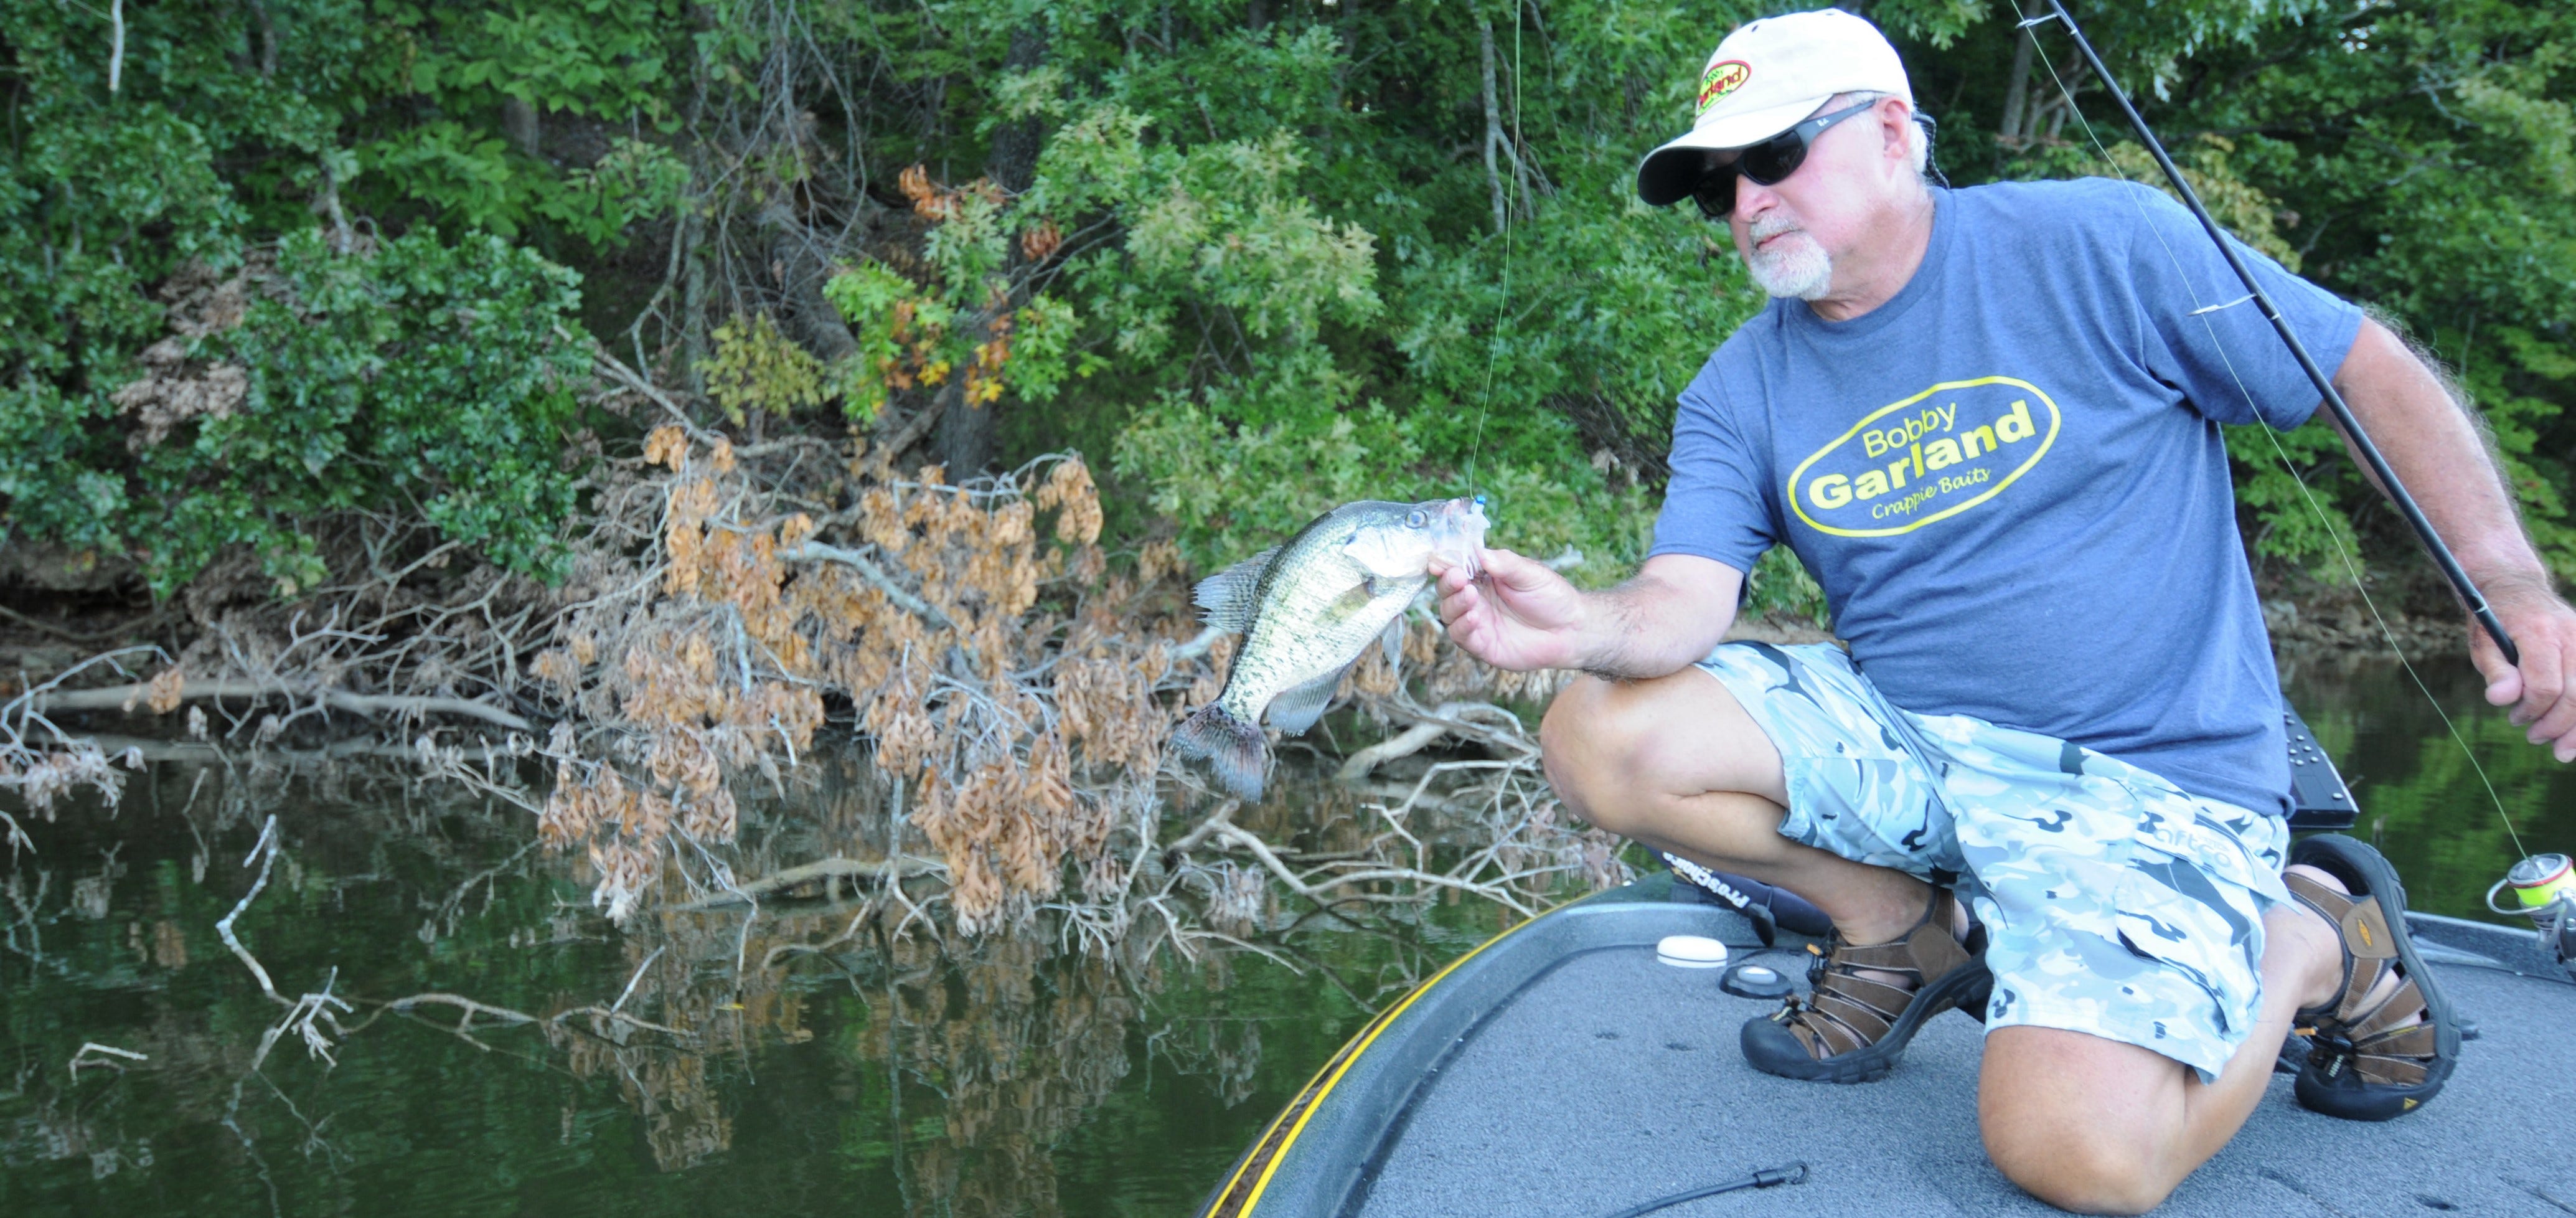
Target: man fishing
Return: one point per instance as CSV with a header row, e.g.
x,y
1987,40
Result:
x,y
2047,782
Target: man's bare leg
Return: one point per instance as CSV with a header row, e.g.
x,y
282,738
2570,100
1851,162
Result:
x,y
2082,1122
2098,1126
1678,764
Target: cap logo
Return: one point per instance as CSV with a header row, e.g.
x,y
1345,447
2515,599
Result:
x,y
1723,77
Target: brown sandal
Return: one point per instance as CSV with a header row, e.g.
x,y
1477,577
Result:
x,y
2369,1061
1850,1028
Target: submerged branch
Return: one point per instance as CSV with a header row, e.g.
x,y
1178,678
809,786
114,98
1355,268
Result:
x,y
744,892
1320,893
265,852
126,697
1412,740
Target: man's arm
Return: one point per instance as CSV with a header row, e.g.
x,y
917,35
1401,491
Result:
x,y
1519,615
2436,450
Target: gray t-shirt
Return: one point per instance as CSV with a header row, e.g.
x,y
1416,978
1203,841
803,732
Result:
x,y
2010,479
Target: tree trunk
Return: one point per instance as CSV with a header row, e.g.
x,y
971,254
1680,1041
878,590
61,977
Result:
x,y
695,348
1013,160
519,122
802,268
1493,121
967,430
2017,98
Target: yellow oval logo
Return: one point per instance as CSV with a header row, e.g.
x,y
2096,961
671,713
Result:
x,y
1723,77
1927,458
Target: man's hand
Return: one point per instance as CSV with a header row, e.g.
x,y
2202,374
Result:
x,y
1519,615
2542,692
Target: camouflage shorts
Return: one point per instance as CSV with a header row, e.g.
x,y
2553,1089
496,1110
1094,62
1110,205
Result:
x,y
2115,904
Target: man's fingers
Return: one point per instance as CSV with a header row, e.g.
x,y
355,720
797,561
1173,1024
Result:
x,y
2542,689
1517,573
2504,681
1456,602
2549,697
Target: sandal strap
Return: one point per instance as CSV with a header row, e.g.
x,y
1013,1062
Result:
x,y
1861,1025
1895,957
2398,1011
2365,936
2413,1040
2388,1043
1845,1011
1881,998
2389,1071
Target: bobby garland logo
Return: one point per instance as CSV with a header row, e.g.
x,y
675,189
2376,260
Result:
x,y
1723,77
1927,458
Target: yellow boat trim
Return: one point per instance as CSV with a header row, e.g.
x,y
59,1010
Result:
x,y
1267,1154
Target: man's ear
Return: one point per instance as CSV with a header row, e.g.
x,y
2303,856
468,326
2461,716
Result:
x,y
1892,123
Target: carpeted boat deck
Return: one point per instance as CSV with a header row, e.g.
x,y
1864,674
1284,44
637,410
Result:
x,y
1603,1079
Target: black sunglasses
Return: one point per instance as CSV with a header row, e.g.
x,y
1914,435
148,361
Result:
x,y
1768,163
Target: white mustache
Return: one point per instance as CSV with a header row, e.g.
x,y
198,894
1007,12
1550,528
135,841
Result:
x,y
1771,226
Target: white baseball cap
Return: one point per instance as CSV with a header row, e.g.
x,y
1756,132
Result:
x,y
1766,77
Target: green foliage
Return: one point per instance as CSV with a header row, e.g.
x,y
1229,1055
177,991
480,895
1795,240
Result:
x,y
2294,486
757,368
1042,347
423,378
2523,397
878,305
1309,302
417,379
1259,264
463,64
1779,584
1236,490
420,379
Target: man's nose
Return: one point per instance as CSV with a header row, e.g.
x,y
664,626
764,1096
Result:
x,y
1752,198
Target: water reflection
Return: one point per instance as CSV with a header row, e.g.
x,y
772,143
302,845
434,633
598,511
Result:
x,y
2428,800
826,1049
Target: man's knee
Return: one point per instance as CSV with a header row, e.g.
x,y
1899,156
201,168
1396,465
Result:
x,y
2072,1169
1619,752
2083,1123
1587,742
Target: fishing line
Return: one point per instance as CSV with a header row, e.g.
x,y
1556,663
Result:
x,y
2307,495
1512,199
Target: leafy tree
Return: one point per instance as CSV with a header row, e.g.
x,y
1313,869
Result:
x,y
1260,256
211,341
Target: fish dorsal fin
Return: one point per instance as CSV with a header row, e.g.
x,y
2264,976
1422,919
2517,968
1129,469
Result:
x,y
1232,596
1297,709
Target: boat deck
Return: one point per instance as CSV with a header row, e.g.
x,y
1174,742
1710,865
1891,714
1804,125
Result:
x,y
1567,1074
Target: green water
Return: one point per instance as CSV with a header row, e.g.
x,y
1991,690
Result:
x,y
882,1075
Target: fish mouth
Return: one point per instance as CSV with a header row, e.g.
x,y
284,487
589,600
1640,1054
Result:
x,y
1458,533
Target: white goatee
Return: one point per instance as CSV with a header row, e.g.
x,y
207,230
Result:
x,y
1794,267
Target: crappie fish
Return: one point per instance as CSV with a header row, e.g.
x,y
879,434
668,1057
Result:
x,y
1308,610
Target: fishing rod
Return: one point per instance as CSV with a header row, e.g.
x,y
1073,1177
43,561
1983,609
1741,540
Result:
x,y
2352,430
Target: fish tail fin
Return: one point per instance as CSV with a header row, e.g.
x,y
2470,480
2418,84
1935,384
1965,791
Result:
x,y
1235,750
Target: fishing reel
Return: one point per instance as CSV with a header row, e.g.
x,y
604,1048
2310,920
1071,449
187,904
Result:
x,y
2544,890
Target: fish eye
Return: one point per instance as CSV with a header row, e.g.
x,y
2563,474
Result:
x,y
1416,519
